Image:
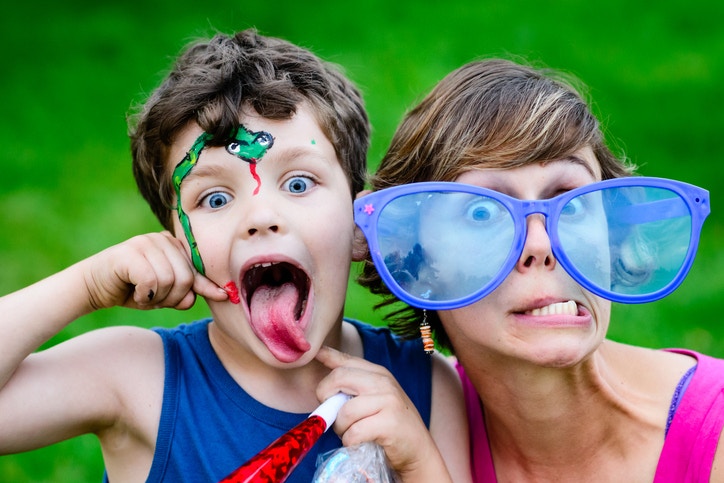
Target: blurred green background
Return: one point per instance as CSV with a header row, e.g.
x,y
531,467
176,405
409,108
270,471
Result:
x,y
72,69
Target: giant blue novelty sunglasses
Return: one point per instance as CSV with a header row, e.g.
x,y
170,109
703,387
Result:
x,y
441,245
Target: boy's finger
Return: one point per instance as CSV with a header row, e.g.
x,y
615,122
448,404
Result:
x,y
332,358
334,382
187,301
202,285
208,289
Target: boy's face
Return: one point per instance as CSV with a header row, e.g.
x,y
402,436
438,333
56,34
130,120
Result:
x,y
278,230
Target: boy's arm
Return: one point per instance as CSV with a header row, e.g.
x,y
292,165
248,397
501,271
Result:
x,y
382,412
73,388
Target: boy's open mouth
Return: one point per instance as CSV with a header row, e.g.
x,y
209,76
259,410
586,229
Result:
x,y
271,278
277,295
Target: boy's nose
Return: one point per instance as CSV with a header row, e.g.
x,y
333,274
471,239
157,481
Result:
x,y
255,230
260,217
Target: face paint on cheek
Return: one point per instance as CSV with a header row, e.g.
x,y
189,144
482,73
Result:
x,y
250,146
179,173
233,292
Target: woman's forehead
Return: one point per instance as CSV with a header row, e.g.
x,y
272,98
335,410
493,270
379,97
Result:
x,y
577,169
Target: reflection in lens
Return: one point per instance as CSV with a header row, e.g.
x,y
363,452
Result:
x,y
444,245
649,232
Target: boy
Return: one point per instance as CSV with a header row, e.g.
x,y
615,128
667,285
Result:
x,y
250,154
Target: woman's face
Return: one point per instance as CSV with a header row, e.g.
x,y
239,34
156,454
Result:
x,y
538,313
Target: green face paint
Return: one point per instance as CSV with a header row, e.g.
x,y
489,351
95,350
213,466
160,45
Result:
x,y
179,173
247,145
250,147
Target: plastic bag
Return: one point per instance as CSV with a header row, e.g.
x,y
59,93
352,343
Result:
x,y
364,463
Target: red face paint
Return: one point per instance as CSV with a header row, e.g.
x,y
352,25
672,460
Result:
x,y
275,463
252,170
233,292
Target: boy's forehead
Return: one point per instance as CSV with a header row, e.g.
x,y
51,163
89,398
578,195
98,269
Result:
x,y
302,129
182,143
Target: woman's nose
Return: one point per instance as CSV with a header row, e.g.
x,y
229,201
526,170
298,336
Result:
x,y
537,250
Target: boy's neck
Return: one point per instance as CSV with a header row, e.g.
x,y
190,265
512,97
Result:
x,y
290,389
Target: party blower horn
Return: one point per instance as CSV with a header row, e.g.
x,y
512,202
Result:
x,y
275,463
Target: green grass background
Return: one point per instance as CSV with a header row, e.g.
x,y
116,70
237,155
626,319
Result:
x,y
72,69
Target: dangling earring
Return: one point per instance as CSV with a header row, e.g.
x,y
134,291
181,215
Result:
x,y
426,333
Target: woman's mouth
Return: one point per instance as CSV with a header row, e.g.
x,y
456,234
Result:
x,y
558,308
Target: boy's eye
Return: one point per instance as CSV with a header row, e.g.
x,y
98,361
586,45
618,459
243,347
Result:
x,y
216,200
298,184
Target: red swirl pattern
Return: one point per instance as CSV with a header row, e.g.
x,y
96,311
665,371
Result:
x,y
276,462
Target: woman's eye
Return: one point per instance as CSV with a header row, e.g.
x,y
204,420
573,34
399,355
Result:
x,y
298,184
483,210
575,207
216,200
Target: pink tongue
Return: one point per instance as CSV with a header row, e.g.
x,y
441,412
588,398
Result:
x,y
274,323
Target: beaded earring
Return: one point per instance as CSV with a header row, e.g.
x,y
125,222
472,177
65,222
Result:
x,y
426,333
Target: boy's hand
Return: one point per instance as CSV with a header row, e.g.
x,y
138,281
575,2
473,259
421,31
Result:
x,y
379,412
145,272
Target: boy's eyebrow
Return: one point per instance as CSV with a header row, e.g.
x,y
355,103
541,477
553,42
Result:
x,y
299,152
202,170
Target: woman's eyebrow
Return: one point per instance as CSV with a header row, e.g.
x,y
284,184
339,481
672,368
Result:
x,y
579,161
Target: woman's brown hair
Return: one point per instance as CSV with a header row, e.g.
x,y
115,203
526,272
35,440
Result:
x,y
487,114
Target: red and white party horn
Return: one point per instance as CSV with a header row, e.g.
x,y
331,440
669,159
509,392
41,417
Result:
x,y
275,463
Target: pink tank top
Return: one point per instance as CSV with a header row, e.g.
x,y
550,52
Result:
x,y
690,444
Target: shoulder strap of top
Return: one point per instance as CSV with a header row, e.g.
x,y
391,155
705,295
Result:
x,y
693,436
481,459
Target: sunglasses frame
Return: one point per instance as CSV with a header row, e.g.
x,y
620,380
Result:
x,y
367,210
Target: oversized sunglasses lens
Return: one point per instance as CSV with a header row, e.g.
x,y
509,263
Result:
x,y
445,246
629,241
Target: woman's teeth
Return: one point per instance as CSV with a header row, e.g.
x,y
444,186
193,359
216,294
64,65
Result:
x,y
560,308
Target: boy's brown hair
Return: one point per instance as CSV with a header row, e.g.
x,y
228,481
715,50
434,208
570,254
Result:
x,y
213,80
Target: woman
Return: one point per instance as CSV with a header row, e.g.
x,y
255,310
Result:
x,y
521,291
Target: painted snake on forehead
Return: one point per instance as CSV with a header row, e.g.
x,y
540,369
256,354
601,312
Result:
x,y
245,144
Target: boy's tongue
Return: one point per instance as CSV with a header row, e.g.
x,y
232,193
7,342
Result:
x,y
273,320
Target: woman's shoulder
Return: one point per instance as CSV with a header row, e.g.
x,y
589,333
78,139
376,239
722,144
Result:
x,y
649,375
667,363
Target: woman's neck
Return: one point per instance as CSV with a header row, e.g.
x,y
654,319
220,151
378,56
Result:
x,y
608,408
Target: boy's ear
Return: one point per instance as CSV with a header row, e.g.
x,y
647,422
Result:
x,y
359,243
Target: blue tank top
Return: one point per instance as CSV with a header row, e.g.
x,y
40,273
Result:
x,y
210,426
